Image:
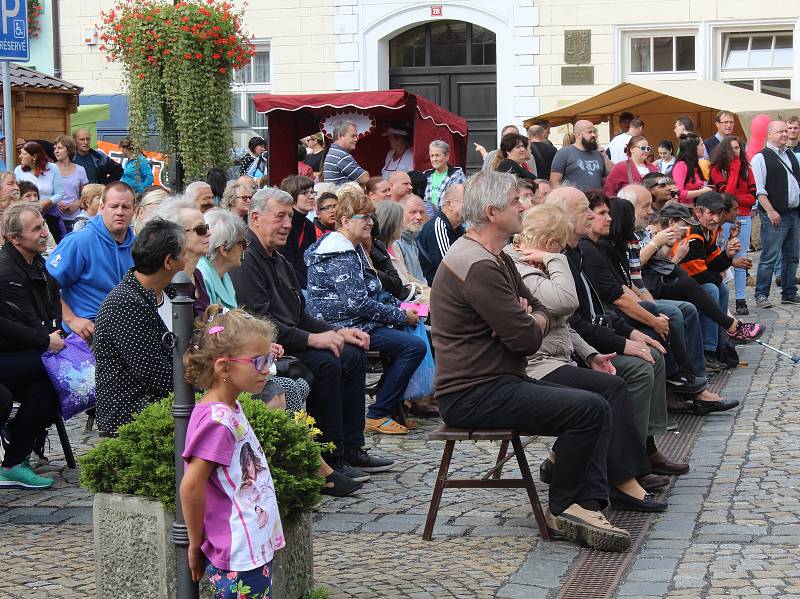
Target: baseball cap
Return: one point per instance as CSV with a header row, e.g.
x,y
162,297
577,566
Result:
x,y
651,182
675,210
711,201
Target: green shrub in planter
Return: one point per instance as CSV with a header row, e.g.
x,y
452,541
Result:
x,y
141,459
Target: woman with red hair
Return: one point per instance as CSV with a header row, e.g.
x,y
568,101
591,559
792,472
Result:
x,y
35,166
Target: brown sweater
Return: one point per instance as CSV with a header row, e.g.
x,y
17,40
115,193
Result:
x,y
480,331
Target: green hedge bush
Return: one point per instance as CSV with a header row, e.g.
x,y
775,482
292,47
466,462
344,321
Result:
x,y
141,459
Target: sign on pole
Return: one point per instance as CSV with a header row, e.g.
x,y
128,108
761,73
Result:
x,y
14,31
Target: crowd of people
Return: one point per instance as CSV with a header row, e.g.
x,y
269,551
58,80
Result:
x,y
573,293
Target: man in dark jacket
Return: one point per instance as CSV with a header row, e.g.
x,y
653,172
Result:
x,y
439,233
29,299
99,167
268,287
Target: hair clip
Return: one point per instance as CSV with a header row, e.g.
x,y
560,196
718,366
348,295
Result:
x,y
215,330
211,318
196,347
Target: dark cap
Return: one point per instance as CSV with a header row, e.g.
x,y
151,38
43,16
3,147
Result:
x,y
673,209
712,201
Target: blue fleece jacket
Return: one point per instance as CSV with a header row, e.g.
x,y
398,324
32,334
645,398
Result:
x,y
88,264
344,289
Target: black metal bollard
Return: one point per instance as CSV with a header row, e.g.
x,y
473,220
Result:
x,y
182,406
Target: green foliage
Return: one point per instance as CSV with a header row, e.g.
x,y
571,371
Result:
x,y
140,460
178,59
317,593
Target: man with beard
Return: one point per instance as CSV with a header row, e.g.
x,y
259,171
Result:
x,y
414,216
581,163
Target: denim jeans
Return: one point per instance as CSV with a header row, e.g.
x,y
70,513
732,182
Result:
x,y
740,274
784,239
686,331
406,352
712,330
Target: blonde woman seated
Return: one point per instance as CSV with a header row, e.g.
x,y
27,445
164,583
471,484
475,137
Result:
x,y
546,273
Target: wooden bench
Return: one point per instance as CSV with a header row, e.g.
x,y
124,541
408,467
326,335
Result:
x,y
490,480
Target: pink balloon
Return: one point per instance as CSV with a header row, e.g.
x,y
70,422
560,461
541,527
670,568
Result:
x,y
758,135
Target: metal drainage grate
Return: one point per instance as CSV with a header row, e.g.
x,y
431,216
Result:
x,y
597,574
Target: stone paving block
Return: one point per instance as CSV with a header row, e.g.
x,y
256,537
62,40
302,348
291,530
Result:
x,y
640,589
520,591
502,531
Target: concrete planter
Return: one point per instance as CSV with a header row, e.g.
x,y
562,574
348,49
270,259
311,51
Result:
x,y
135,557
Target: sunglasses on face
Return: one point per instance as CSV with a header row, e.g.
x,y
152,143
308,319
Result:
x,y
260,363
644,148
201,230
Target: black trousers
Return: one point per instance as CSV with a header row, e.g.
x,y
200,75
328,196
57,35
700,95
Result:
x,y
627,456
580,419
336,400
687,289
23,374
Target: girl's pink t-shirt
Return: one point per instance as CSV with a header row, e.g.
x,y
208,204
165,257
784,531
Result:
x,y
242,524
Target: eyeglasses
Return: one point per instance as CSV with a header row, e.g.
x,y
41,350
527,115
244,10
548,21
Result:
x,y
362,217
645,148
328,207
262,362
246,198
201,230
309,192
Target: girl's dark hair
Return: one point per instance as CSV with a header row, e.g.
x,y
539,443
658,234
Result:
x,y
418,183
623,222
722,156
27,186
217,179
687,146
667,144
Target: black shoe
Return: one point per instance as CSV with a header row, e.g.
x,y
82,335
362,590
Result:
x,y
546,471
794,299
713,364
342,486
360,459
741,308
623,501
653,482
702,408
39,445
355,474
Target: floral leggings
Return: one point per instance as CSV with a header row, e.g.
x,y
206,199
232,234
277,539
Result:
x,y
253,584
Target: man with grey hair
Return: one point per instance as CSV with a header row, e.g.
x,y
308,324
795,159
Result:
x,y
441,176
441,232
267,286
340,166
414,218
200,193
485,324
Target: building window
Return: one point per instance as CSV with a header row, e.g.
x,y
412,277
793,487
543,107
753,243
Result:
x,y
760,61
662,54
254,78
443,44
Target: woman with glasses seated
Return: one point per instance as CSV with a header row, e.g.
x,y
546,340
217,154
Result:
x,y
345,291
225,248
633,169
303,233
185,213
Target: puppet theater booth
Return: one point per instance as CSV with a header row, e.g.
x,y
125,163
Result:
x,y
660,103
41,106
293,117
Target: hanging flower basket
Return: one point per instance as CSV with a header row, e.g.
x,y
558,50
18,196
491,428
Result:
x,y
178,60
34,13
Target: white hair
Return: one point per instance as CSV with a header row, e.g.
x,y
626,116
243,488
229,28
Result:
x,y
629,193
265,194
226,229
191,191
172,209
485,189
439,145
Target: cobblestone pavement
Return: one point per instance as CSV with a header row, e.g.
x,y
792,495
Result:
x,y
732,528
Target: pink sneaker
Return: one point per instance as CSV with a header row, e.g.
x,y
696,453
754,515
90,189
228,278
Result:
x,y
747,331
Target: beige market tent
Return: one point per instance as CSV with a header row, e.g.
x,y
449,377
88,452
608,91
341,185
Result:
x,y
659,103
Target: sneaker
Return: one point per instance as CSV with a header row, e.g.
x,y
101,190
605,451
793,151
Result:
x,y
355,474
747,331
741,308
360,459
794,299
713,365
22,477
338,485
763,302
582,526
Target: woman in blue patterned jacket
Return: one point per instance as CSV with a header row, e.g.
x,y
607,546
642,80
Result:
x,y
344,290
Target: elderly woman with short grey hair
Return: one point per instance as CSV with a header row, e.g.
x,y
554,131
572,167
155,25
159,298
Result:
x,y
441,176
225,249
185,213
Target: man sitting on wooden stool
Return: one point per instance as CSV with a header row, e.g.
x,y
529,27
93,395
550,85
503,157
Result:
x,y
485,324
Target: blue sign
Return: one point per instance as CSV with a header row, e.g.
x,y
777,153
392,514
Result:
x,y
14,32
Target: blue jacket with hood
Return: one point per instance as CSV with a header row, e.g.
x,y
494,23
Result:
x,y
88,264
344,289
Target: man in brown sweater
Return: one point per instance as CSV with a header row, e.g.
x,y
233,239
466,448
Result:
x,y
485,324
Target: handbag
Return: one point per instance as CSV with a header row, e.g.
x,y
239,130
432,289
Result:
x,y
421,383
72,373
292,368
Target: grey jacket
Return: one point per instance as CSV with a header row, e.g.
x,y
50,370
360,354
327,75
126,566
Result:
x,y
556,290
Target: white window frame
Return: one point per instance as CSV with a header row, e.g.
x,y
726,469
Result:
x,y
241,91
625,34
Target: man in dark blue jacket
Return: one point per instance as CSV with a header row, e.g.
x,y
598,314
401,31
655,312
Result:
x,y
99,167
439,233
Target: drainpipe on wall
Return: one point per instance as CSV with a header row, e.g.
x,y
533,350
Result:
x,y
56,39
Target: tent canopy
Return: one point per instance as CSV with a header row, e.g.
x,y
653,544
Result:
x,y
295,116
87,116
659,103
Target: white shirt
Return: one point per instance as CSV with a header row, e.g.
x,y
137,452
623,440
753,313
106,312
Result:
x,y
165,310
404,163
760,175
616,147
